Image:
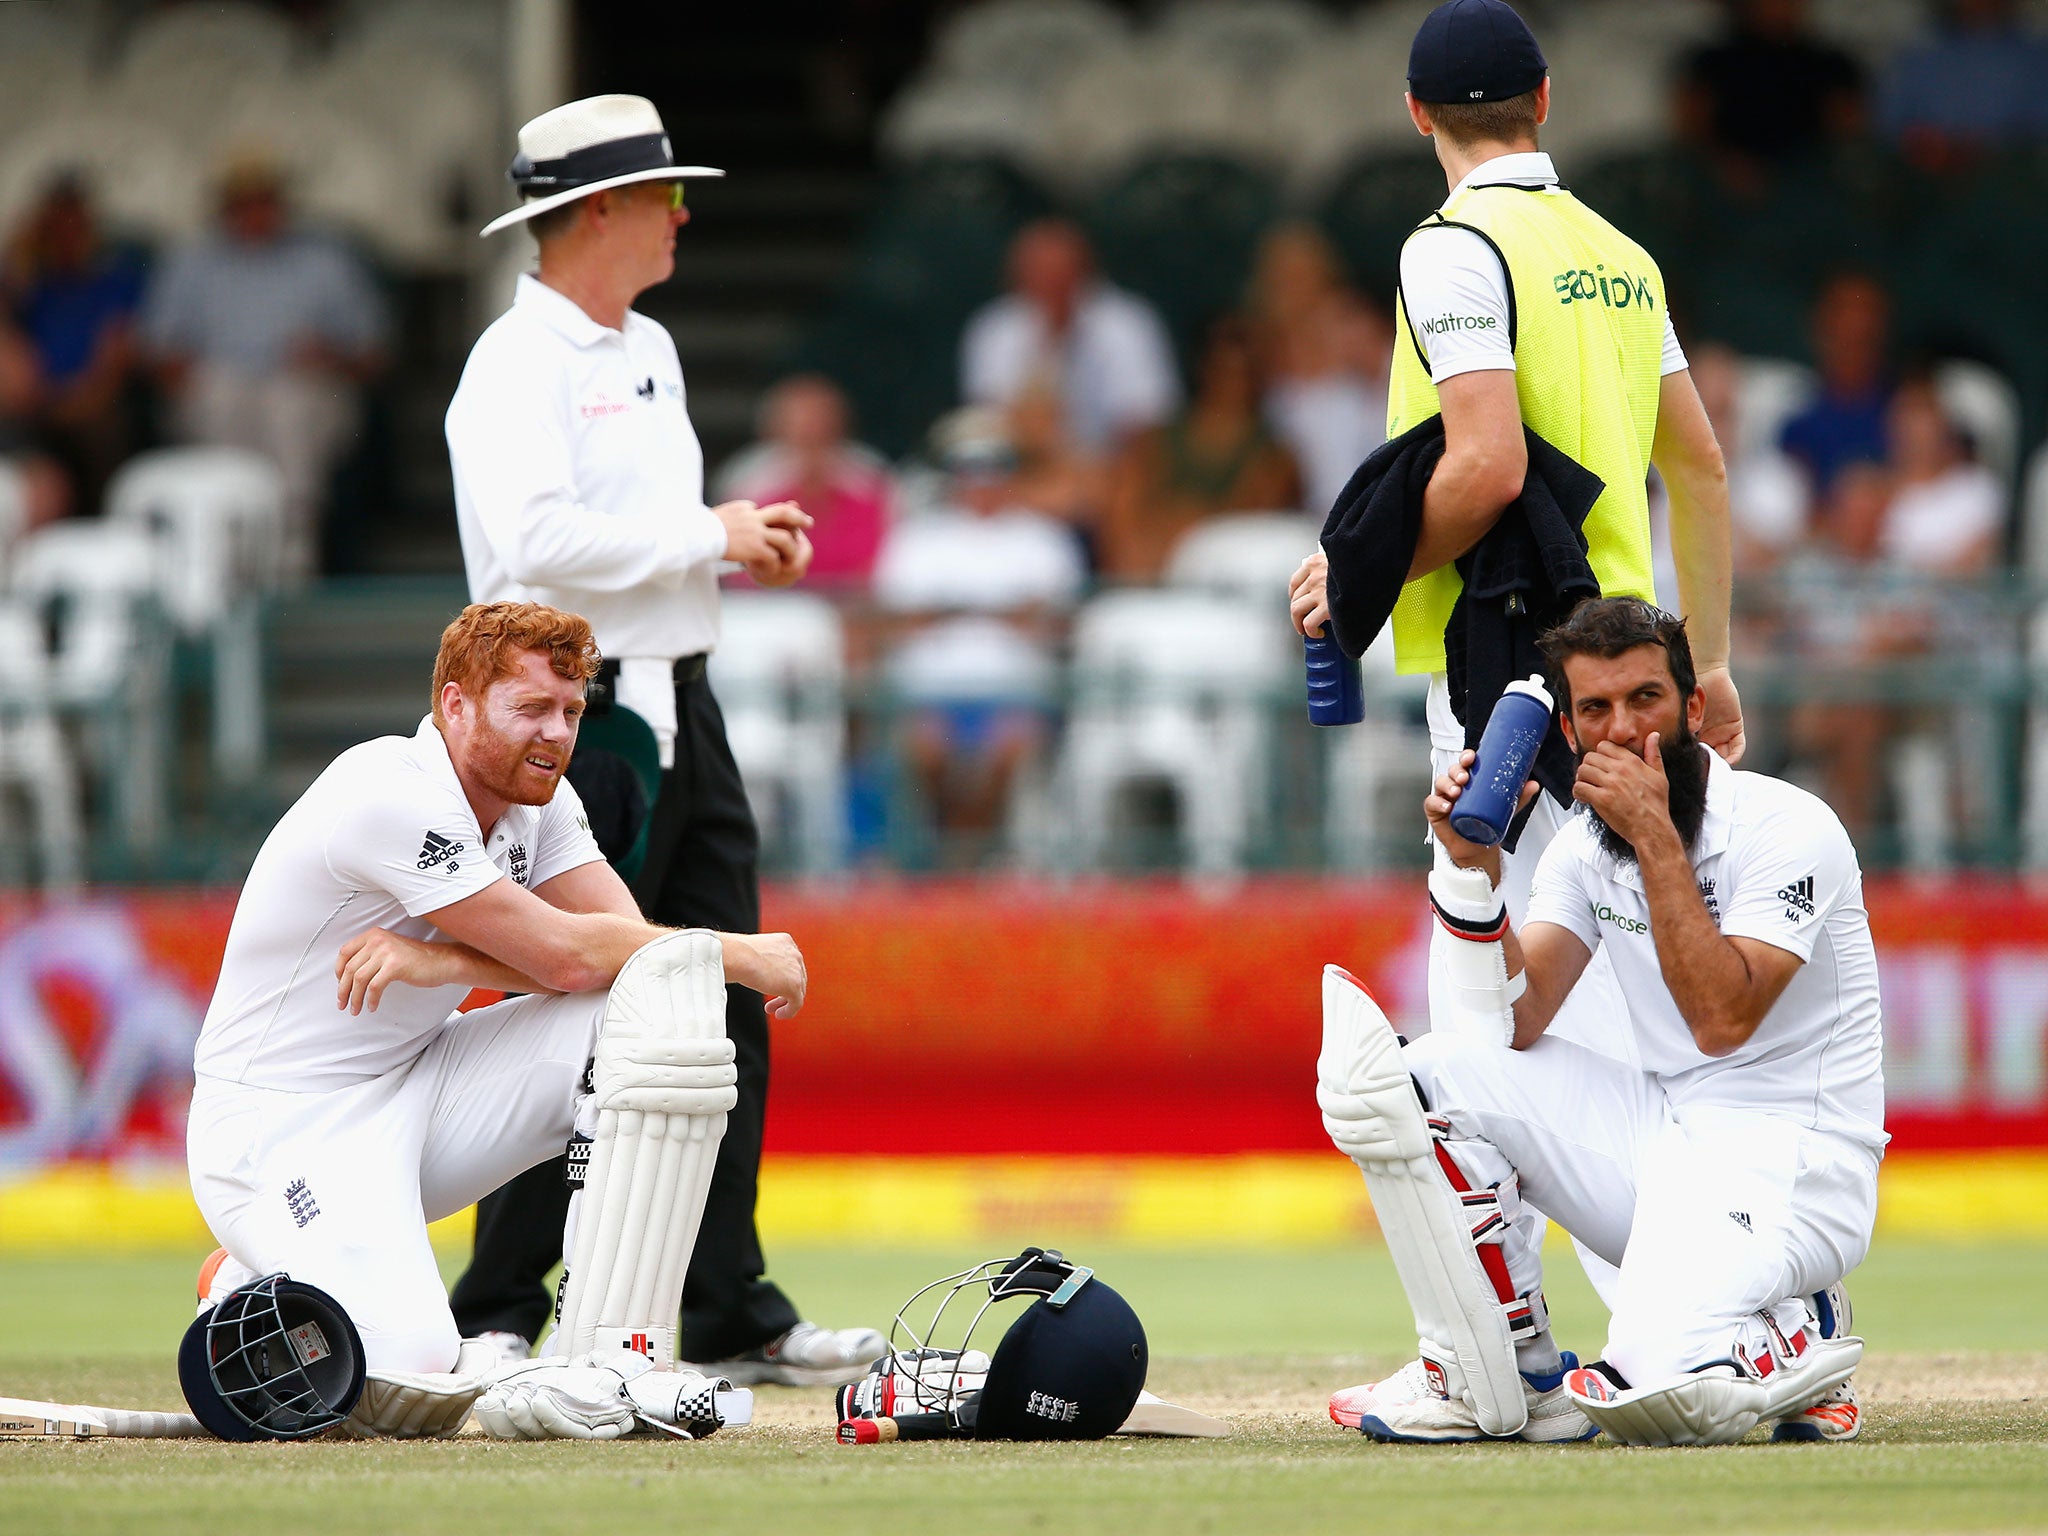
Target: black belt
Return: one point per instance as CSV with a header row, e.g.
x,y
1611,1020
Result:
x,y
603,691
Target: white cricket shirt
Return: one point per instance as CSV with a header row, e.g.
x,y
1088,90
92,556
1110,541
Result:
x,y
382,839
1453,275
1773,863
579,482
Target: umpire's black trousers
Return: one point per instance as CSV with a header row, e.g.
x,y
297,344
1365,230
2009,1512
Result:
x,y
700,873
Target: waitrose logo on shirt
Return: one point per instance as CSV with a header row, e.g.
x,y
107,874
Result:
x,y
1449,325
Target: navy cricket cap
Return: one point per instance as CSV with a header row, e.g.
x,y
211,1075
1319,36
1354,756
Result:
x,y
1474,50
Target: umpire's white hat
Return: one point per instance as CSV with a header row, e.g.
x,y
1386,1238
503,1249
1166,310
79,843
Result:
x,y
586,146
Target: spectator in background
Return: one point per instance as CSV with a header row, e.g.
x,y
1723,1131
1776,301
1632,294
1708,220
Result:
x,y
1929,512
1771,91
1052,476
1102,352
807,455
977,591
1217,456
1326,352
263,337
76,299
1768,501
1845,424
1976,84
34,489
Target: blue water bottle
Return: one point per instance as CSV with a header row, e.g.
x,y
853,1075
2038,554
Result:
x,y
1507,751
1336,683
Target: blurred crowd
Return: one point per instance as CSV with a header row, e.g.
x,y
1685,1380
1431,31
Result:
x,y
258,335
1096,424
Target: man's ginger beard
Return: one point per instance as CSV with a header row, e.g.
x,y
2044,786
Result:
x,y
1685,768
498,764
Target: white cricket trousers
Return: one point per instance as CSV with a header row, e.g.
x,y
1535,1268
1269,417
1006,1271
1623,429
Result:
x,y
336,1188
1711,1214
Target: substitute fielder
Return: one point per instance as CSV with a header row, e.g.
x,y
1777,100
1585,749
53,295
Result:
x,y
342,1103
579,481
1732,1179
1497,329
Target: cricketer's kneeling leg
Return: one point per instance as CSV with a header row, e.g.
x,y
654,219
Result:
x,y
661,1083
1444,1229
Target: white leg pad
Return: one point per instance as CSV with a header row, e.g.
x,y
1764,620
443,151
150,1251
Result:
x,y
1714,1406
1372,1113
430,1405
1718,1404
663,1081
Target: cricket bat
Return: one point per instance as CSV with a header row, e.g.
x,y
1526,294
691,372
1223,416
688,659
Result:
x,y
25,1419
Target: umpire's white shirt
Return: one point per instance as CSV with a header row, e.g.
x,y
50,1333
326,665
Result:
x,y
579,483
382,839
1774,864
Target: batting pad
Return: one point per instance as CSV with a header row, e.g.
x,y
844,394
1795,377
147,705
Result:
x,y
1717,1404
1372,1113
662,1081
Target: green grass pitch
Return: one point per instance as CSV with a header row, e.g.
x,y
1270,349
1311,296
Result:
x,y
1956,1390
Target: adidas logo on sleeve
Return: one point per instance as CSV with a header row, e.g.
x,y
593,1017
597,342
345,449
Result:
x,y
1798,898
439,850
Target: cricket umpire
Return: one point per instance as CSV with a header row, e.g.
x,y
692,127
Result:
x,y
579,482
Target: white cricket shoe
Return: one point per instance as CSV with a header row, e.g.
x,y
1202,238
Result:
x,y
806,1356
509,1348
1406,1408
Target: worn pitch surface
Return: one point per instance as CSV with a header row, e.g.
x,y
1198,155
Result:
x,y
1956,1388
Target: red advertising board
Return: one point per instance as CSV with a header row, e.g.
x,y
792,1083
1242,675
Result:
x,y
1035,1018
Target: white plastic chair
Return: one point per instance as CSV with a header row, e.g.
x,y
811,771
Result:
x,y
218,517
1171,686
779,674
1770,391
1256,41
33,754
1980,401
1249,555
100,581
1036,43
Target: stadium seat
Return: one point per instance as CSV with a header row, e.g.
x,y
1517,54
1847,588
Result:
x,y
1373,206
217,516
149,182
1377,771
1255,41
1181,229
1172,687
779,674
1324,119
2033,561
965,115
1034,43
2034,794
1246,555
96,584
1980,401
1770,391
229,38
1613,87
33,756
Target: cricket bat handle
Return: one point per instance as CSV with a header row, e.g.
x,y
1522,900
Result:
x,y
904,1426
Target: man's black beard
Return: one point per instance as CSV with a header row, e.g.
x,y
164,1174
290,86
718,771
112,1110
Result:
x,y
1685,768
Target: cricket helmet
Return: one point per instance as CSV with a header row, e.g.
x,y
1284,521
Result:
x,y
276,1359
1070,1366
